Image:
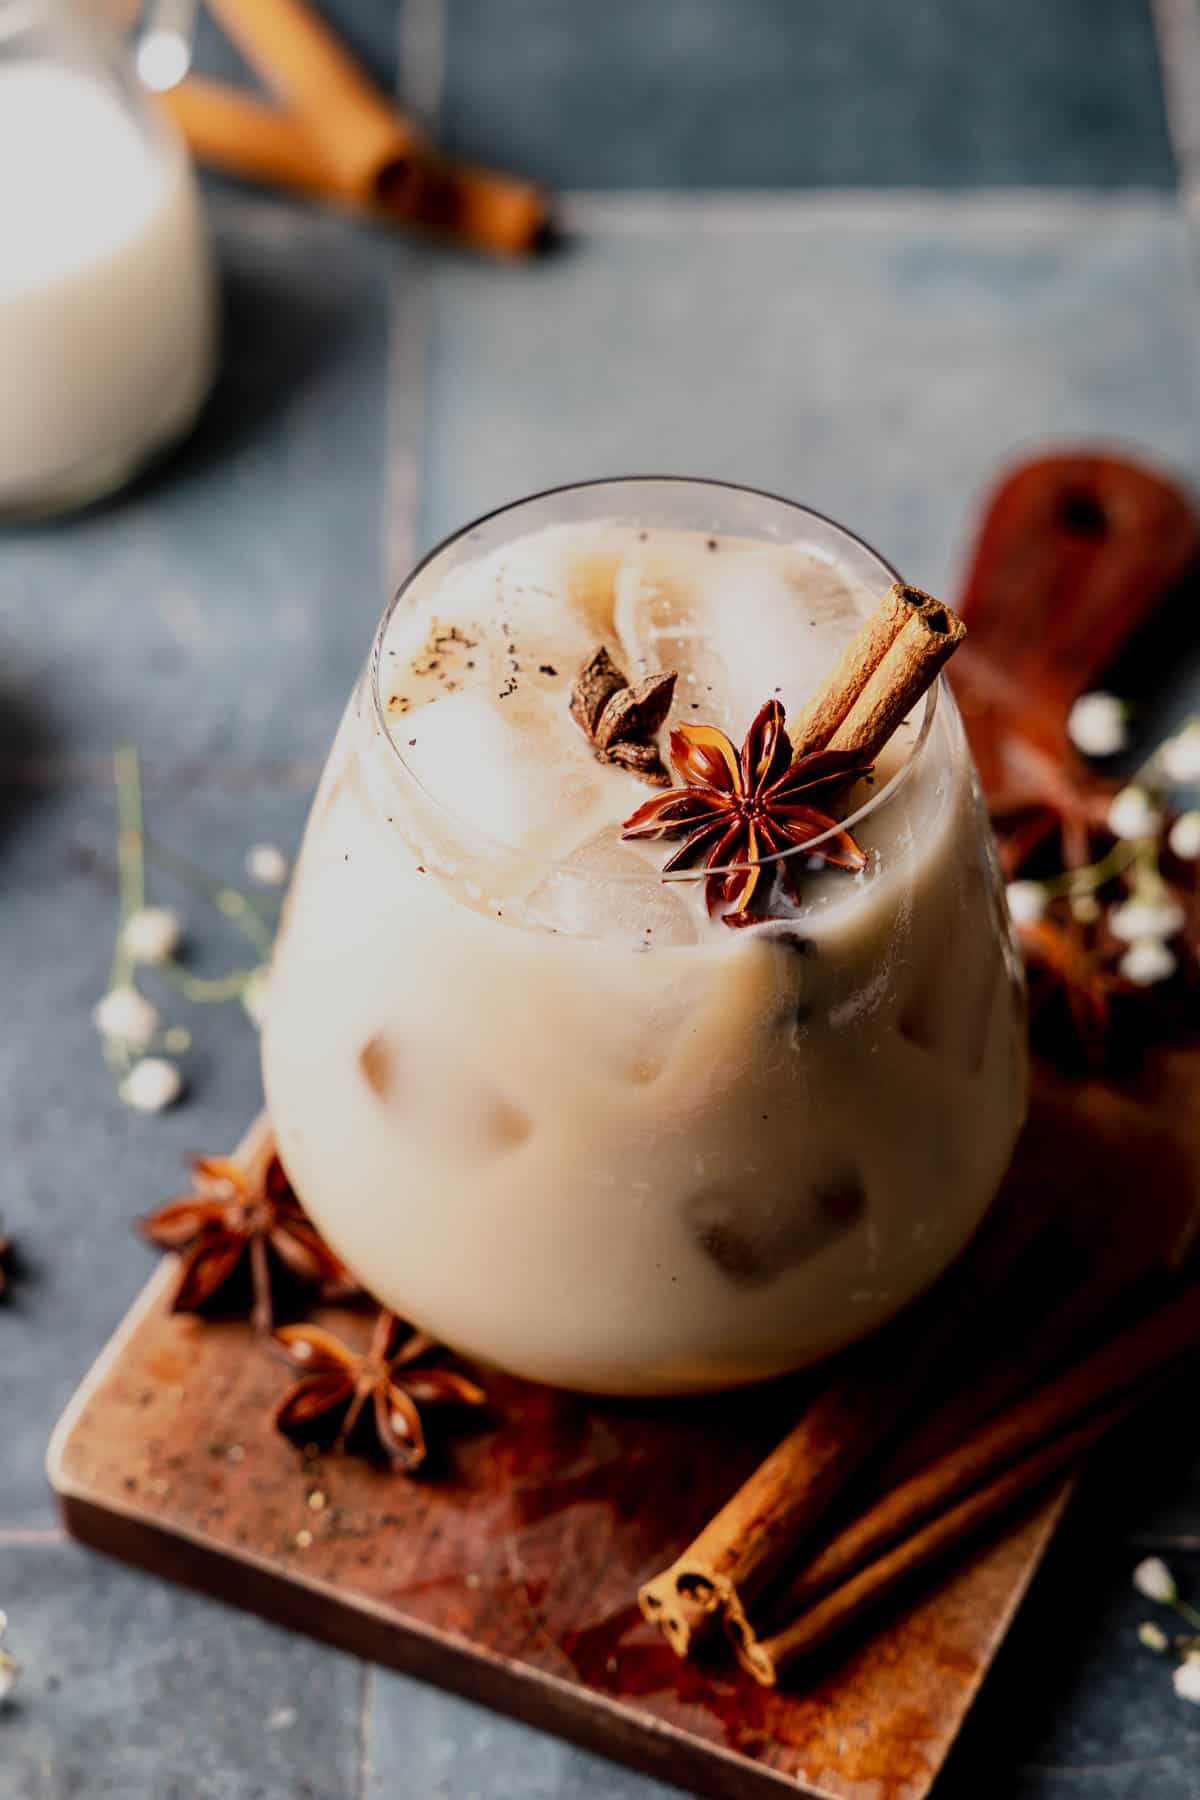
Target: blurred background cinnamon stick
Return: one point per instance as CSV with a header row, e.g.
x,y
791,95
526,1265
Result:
x,y
232,130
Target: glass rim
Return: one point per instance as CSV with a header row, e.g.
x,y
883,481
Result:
x,y
473,834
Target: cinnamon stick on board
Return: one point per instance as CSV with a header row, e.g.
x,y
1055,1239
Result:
x,y
233,130
1162,1336
766,1658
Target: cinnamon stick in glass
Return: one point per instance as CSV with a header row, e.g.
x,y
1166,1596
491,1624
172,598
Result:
x,y
816,723
918,652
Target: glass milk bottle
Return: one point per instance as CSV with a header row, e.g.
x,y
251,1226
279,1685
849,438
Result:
x,y
107,293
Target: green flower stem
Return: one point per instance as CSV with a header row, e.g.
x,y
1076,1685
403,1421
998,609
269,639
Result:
x,y
1186,1612
1146,858
207,990
243,910
1097,875
131,862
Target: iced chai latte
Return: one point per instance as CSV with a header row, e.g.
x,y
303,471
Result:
x,y
607,1123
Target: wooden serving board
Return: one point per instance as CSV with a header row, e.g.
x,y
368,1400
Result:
x,y
510,1577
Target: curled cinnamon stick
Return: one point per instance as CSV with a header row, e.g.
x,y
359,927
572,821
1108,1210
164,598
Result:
x,y
816,723
743,1545
767,1658
232,130
909,666
1127,1362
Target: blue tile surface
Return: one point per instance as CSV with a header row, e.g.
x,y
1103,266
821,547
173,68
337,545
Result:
x,y
367,27
686,93
135,1690
427,1743
880,361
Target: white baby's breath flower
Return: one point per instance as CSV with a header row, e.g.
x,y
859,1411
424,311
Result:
x,y
1187,1680
10,1668
1132,815
1086,908
255,995
1184,837
152,934
267,865
151,1085
1153,1579
1026,901
126,1017
1181,754
1147,962
1153,1636
1096,725
1152,915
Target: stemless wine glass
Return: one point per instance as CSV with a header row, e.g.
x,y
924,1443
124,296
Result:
x,y
634,1170
108,328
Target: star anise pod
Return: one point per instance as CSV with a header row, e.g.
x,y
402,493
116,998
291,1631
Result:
x,y
623,722
239,1240
738,809
374,1399
1072,987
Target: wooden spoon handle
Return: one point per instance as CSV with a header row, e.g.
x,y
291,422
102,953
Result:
x,y
1076,552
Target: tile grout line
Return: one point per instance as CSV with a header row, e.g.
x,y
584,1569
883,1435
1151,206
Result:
x,y
420,45
32,1537
644,211
411,313
1177,32
421,56
95,771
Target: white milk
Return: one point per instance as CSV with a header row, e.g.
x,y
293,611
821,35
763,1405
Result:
x,y
540,1102
107,315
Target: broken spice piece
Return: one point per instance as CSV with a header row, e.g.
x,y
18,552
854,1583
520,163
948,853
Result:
x,y
742,808
241,1239
623,722
373,1400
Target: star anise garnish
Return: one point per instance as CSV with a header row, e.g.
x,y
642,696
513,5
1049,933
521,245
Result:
x,y
737,809
622,722
1072,986
240,1241
372,1401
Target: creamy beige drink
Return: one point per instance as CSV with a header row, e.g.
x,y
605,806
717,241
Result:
x,y
540,1101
